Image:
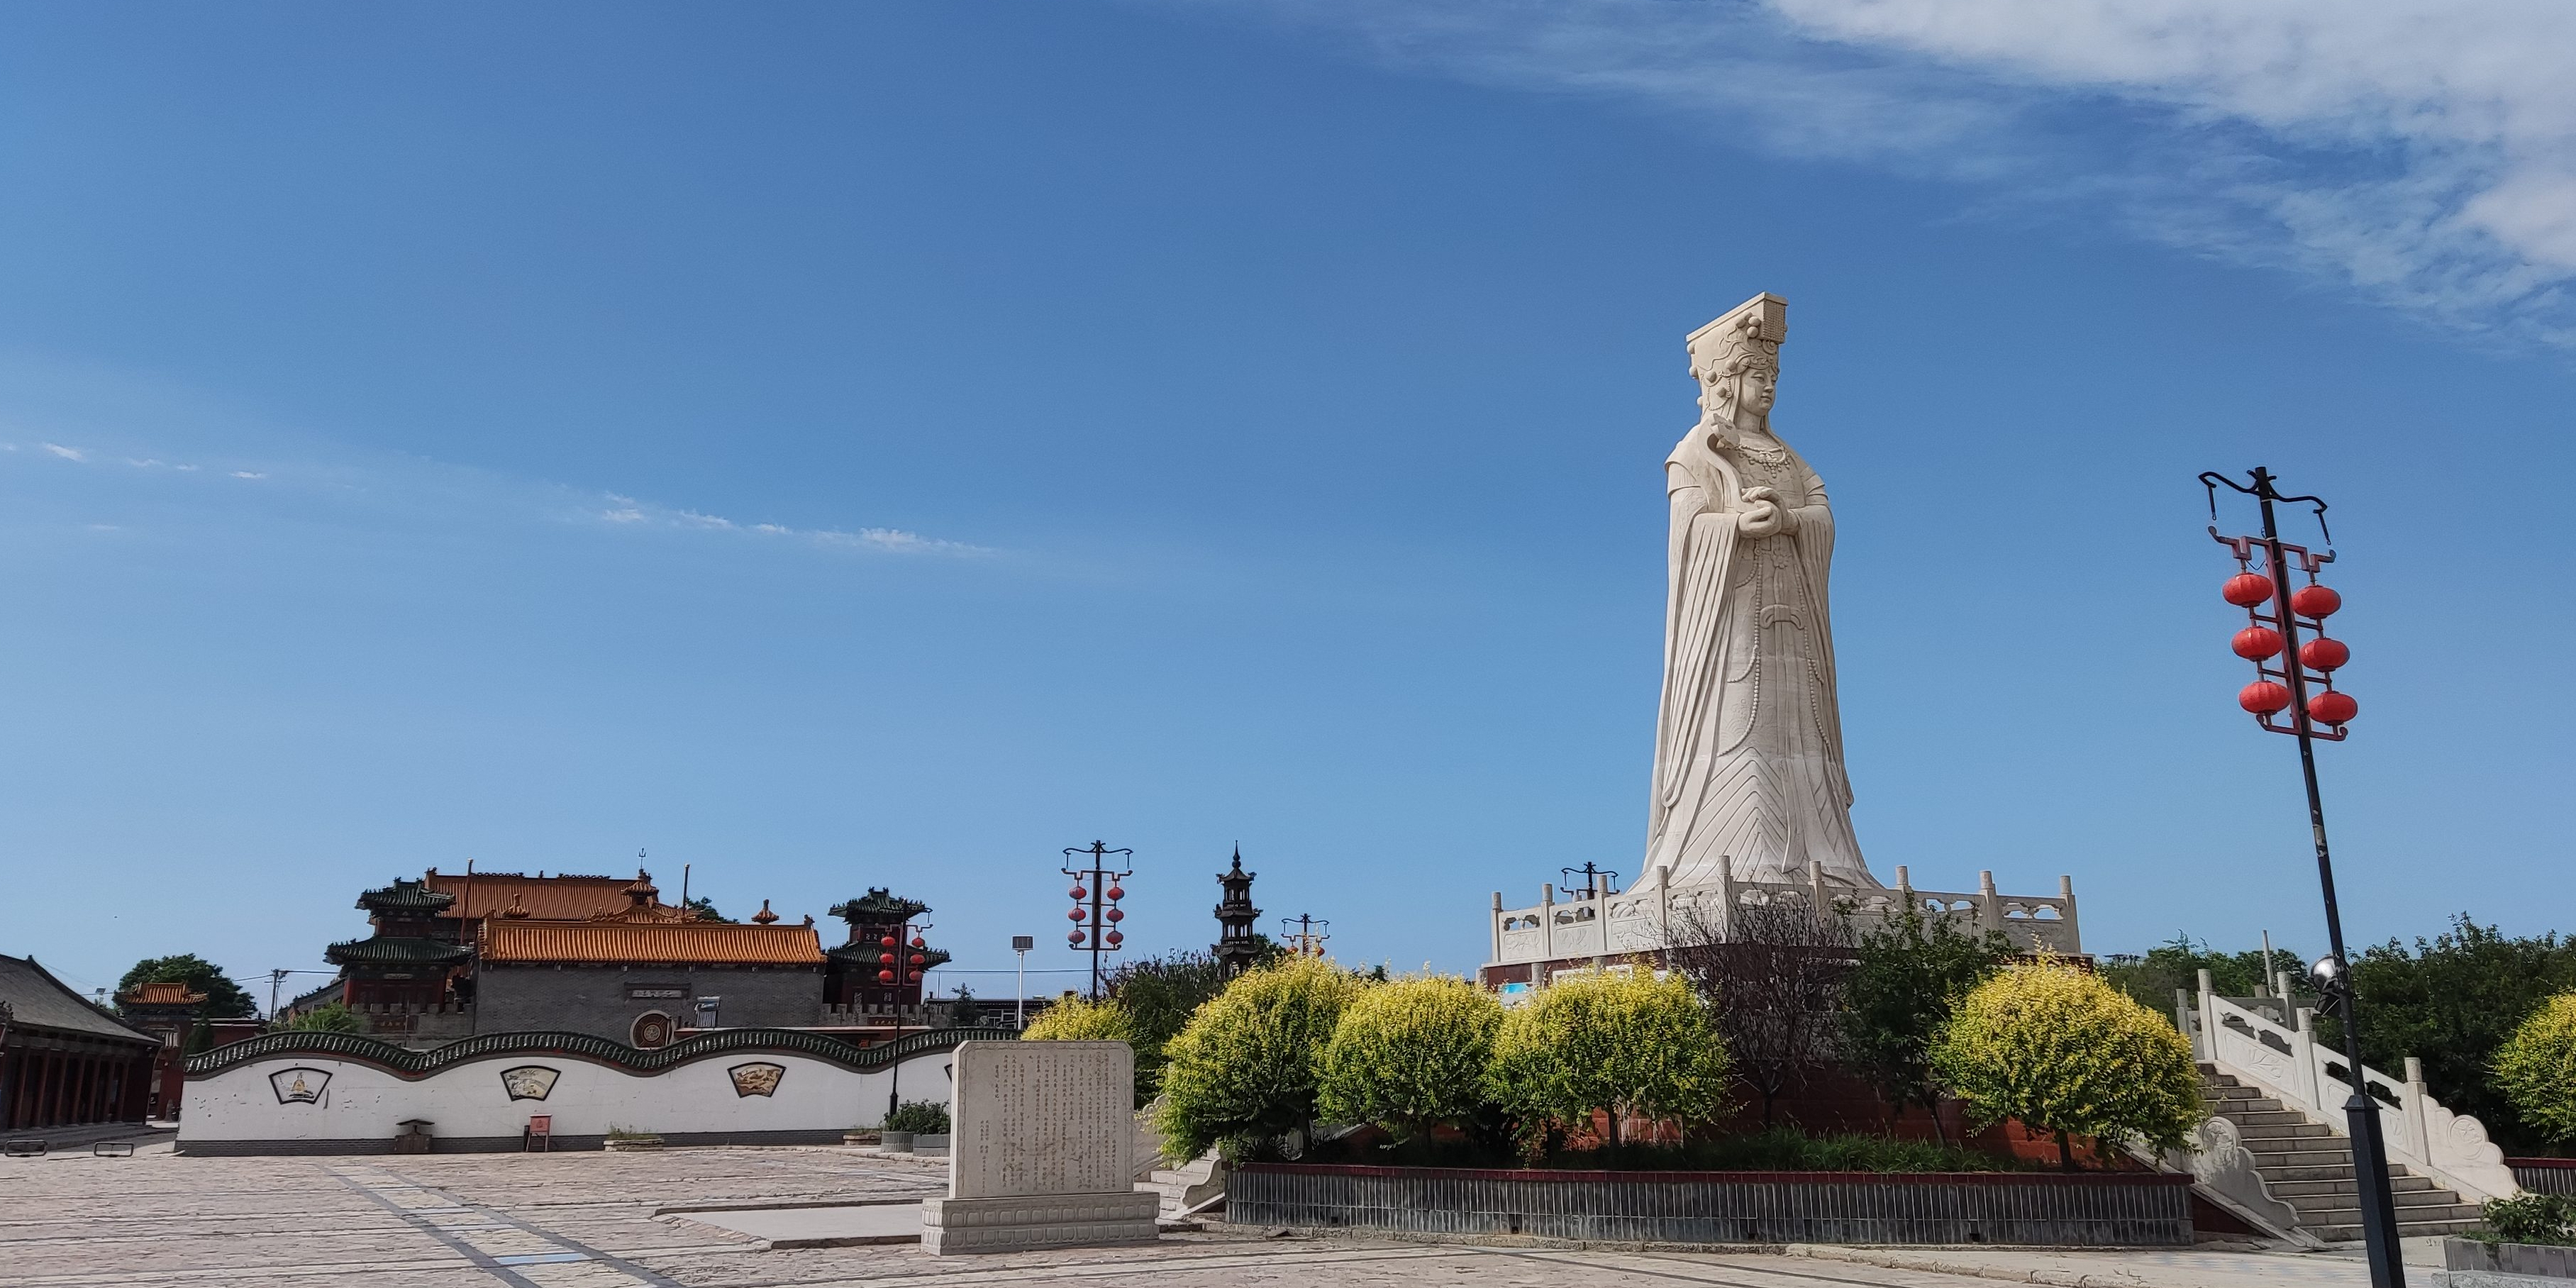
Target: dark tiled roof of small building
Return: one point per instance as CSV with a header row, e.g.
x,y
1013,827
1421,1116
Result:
x,y
879,904
37,1000
405,896
867,955
395,952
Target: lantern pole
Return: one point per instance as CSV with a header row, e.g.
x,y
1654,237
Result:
x,y
2361,1114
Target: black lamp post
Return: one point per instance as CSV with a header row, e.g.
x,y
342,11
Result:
x,y
2284,686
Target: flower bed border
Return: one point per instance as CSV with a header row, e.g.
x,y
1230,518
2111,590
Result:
x,y
2047,1209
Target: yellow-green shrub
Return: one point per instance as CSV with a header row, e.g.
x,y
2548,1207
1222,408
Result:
x,y
1610,1041
1076,1020
1242,1071
2065,1052
1409,1054
2536,1068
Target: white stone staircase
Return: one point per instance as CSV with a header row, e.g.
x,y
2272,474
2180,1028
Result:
x,y
2306,1165
2274,1150
1187,1186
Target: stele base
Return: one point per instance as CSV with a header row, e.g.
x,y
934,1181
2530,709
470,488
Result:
x,y
1050,1221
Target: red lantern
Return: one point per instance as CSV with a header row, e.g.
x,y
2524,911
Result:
x,y
887,958
885,976
1074,938
2315,601
1116,914
2256,643
2263,698
888,941
2322,654
916,977
1116,939
916,959
1116,892
2332,708
1075,915
916,942
2246,589
1077,891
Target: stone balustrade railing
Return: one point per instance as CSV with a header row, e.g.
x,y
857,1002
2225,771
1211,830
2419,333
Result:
x,y
1645,918
2289,1064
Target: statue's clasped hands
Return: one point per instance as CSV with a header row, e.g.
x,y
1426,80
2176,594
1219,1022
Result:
x,y
1763,515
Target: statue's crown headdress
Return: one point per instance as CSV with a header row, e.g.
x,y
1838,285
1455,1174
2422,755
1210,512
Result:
x,y
1747,335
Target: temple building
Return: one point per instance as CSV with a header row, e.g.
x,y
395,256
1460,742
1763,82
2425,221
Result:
x,y
457,955
875,976
63,1061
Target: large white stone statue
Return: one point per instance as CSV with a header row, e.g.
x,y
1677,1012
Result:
x,y
1749,748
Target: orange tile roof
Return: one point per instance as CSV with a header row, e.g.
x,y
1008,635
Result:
x,y
570,898
695,942
164,992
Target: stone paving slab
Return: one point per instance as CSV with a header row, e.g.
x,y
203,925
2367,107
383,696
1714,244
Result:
x,y
587,1220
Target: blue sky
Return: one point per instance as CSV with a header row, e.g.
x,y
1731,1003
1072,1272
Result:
x,y
835,446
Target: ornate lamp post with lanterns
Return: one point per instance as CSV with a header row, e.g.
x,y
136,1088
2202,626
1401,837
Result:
x,y
1096,914
2294,693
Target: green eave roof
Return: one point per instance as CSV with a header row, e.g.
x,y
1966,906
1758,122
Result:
x,y
879,905
867,954
406,896
395,952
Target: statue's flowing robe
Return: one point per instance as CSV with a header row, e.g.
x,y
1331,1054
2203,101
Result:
x,y
1749,748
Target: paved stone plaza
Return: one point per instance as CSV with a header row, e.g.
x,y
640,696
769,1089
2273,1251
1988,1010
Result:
x,y
588,1220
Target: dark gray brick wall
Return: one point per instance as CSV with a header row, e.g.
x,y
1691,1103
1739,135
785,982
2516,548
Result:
x,y
2094,1210
594,999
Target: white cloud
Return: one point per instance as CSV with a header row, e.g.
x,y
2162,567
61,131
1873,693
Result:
x,y
2422,153
626,511
248,474
67,453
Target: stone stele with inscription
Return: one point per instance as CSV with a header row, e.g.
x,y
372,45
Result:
x,y
1041,1150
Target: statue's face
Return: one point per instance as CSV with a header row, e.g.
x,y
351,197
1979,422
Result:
x,y
1758,386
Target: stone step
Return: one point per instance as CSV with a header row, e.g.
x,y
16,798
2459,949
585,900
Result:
x,y
2283,1162
2350,1232
2343,1185
2272,1118
2434,1213
2300,1130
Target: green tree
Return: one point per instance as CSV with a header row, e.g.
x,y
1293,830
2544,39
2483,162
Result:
x,y
2064,1052
1410,1055
329,1017
2452,1001
1162,993
706,909
1075,1020
2151,978
1621,1042
2535,1070
225,1000
1907,975
1242,1072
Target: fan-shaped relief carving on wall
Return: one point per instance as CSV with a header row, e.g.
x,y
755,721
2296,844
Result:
x,y
759,1078
530,1081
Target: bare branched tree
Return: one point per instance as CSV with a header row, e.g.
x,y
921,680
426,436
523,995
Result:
x,y
1773,974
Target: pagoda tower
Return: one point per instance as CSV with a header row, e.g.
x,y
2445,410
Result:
x,y
1237,946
